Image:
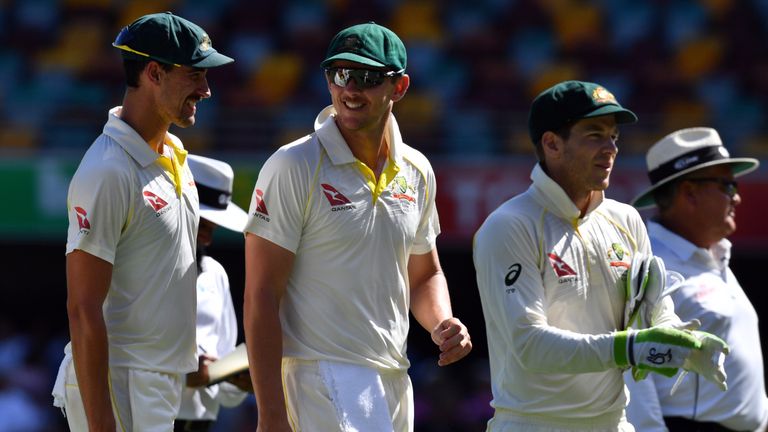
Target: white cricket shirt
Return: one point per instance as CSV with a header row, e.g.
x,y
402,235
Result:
x,y
711,294
137,210
347,297
551,289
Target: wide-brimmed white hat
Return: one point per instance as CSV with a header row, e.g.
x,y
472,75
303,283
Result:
x,y
685,151
214,187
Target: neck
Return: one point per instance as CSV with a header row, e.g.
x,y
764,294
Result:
x,y
683,226
138,113
368,146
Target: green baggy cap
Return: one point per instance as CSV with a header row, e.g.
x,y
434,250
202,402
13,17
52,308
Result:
x,y
170,39
569,101
369,44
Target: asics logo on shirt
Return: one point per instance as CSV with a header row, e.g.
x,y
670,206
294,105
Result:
x,y
337,200
561,268
158,204
261,207
82,219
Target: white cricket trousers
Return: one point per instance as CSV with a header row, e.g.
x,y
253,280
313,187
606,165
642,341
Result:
x,y
142,401
323,396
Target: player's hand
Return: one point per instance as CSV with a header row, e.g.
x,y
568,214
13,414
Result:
x,y
201,377
658,349
242,381
452,337
639,374
708,361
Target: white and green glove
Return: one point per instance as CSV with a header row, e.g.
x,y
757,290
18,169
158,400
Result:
x,y
708,361
665,349
657,349
648,283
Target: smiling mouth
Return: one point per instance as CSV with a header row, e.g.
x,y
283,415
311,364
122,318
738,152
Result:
x,y
352,105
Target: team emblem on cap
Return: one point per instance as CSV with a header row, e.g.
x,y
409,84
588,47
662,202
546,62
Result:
x,y
601,95
205,45
352,43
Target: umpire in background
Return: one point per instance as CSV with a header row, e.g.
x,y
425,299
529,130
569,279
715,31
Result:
x,y
693,188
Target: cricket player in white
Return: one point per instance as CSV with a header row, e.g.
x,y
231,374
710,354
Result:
x,y
340,246
133,215
551,264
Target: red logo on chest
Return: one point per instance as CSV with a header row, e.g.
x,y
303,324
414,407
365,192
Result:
x,y
561,268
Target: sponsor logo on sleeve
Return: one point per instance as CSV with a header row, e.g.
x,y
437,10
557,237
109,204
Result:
x,y
513,272
82,220
261,206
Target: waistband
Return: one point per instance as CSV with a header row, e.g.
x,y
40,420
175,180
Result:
x,y
608,420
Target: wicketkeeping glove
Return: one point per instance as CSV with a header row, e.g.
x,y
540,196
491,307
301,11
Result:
x,y
648,282
708,361
658,349
640,374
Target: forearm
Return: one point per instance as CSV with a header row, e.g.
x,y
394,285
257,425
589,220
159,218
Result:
x,y
551,350
430,301
91,358
263,334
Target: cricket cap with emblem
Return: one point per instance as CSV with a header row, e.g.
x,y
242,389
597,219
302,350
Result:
x,y
169,39
369,44
214,179
570,101
685,151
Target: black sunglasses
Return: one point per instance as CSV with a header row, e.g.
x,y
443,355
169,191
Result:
x,y
729,187
364,78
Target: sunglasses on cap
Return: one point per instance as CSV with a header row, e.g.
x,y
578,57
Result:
x,y
364,78
126,36
729,187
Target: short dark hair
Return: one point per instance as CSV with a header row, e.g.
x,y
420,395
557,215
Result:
x,y
133,69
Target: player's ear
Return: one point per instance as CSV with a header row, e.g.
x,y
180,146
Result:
x,y
401,87
153,72
551,142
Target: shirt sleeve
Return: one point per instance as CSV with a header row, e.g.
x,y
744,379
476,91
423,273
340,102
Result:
x,y
98,205
429,226
279,199
512,292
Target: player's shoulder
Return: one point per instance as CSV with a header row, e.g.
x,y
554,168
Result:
x,y
414,157
517,214
619,210
305,150
105,159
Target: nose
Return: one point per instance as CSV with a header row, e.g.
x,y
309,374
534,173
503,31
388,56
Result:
x,y
204,90
736,199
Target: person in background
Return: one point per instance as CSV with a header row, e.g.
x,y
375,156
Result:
x,y
552,265
216,319
340,247
694,190
133,215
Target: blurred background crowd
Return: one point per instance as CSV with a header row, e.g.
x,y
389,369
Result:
x,y
474,66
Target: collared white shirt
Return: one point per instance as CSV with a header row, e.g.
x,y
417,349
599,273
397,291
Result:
x,y
551,289
348,296
139,211
711,294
